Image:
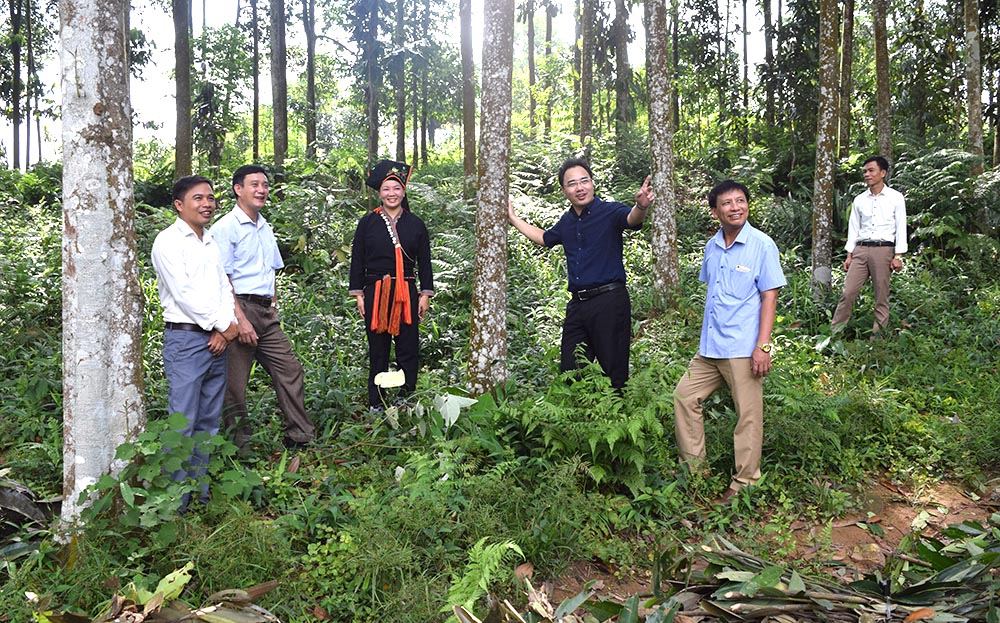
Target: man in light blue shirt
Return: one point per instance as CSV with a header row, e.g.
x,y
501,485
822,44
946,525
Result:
x,y
743,273
250,257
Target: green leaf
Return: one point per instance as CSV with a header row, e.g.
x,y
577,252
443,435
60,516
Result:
x,y
769,577
795,585
630,612
572,603
173,585
127,494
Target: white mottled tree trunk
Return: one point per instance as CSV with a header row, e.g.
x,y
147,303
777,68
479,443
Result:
x,y
102,298
666,268
974,84
826,145
488,339
279,82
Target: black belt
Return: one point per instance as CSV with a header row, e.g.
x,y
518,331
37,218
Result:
x,y
184,326
589,293
875,243
256,299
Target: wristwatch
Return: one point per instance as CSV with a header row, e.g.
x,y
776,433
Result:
x,y
766,347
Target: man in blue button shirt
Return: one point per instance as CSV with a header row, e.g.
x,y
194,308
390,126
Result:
x,y
250,257
743,273
599,315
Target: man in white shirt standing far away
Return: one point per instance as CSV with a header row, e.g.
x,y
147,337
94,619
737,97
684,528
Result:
x,y
199,317
876,241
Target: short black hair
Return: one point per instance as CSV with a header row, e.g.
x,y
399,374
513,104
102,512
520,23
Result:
x,y
724,187
186,183
246,170
574,162
879,160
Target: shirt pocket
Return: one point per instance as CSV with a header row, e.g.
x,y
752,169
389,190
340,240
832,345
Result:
x,y
739,282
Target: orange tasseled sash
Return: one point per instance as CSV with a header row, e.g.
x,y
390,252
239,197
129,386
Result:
x,y
387,315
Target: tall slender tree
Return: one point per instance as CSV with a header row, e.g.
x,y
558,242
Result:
x,y
397,62
279,84
102,295
527,15
488,335
309,25
769,63
623,77
826,146
255,26
16,34
468,100
974,84
666,268
846,78
587,73
883,110
183,136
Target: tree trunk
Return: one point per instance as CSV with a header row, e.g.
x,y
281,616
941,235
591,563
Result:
x,y
826,144
399,81
530,18
423,87
468,101
974,85
256,80
883,115
373,82
675,60
29,48
623,77
309,23
587,74
488,334
183,143
15,81
102,295
745,116
279,84
769,64
549,14
666,268
846,78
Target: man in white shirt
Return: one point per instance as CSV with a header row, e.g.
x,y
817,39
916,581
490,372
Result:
x,y
199,316
876,241
250,257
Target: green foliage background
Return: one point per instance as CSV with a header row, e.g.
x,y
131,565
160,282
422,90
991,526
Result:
x,y
378,519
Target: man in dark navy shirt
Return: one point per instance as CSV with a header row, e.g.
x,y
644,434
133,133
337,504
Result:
x,y
599,314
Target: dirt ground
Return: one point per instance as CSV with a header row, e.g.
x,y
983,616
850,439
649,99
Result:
x,y
856,544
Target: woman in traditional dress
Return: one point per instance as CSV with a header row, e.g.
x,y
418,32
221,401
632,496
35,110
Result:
x,y
391,247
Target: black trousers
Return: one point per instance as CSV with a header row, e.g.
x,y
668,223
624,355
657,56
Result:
x,y
603,325
380,345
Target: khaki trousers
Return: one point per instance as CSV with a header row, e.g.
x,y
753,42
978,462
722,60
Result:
x,y
703,377
874,262
274,352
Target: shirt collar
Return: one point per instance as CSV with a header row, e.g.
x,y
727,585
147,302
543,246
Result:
x,y
720,237
186,230
245,219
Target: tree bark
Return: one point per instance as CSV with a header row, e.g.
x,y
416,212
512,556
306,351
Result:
x,y
399,81
675,19
666,267
623,77
769,63
102,296
16,15
256,80
974,85
587,74
309,24
373,83
488,335
279,84
846,78
883,114
550,10
826,142
529,11
468,100
183,140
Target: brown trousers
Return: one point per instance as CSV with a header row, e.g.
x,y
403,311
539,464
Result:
x,y
874,262
274,352
703,377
